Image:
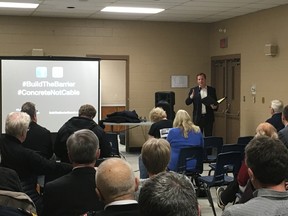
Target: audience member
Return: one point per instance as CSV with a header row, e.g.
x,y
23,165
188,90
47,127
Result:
x,y
183,134
242,183
38,138
11,194
283,134
116,185
276,109
74,193
159,118
168,193
84,120
156,156
27,163
267,161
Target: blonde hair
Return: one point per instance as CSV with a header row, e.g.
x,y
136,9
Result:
x,y
183,120
155,155
266,129
157,114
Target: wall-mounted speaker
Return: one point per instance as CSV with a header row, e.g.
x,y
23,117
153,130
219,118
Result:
x,y
166,100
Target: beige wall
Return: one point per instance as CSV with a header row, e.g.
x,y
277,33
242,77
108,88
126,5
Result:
x,y
158,50
247,35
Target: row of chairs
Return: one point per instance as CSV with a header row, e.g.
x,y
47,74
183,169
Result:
x,y
223,160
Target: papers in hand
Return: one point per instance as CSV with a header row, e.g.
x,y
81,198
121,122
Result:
x,y
211,101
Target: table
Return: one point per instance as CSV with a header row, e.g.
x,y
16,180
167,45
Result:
x,y
129,126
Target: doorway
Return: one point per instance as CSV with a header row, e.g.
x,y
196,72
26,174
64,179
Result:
x,y
225,77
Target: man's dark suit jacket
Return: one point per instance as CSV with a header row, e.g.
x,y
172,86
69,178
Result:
x,y
276,121
197,104
120,210
39,139
283,135
72,194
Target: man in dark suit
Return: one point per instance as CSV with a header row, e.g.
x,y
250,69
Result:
x,y
276,112
283,134
116,185
203,111
38,138
74,193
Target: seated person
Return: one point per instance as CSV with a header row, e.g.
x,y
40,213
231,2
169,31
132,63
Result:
x,y
84,120
159,118
242,184
116,185
73,193
156,156
267,162
168,193
11,194
183,134
276,109
283,134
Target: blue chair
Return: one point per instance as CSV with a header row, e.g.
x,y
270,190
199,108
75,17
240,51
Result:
x,y
214,145
220,178
244,139
229,148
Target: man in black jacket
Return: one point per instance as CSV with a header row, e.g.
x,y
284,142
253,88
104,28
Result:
x,y
83,121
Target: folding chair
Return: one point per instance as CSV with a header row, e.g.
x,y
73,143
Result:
x,y
187,155
113,140
220,177
213,144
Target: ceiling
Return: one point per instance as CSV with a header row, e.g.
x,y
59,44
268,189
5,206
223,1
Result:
x,y
199,11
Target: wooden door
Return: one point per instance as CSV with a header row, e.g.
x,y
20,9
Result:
x,y
225,73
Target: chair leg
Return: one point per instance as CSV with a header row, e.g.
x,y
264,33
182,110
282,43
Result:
x,y
209,196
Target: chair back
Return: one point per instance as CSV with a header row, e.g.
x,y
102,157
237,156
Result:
x,y
234,147
212,143
244,139
188,154
113,140
224,162
164,132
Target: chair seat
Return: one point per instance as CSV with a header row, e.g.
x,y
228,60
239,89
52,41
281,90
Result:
x,y
209,180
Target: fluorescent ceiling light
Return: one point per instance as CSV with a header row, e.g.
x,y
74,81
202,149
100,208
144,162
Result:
x,y
132,10
17,5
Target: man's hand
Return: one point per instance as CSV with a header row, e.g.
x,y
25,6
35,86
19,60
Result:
x,y
214,107
192,94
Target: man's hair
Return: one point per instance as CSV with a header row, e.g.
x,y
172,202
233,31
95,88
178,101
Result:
x,y
17,123
155,155
157,114
82,147
168,194
268,159
285,113
266,129
87,110
115,178
201,74
183,120
29,108
277,106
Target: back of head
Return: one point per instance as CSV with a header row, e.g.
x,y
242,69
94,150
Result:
x,y
285,113
157,114
183,120
87,111
266,129
268,159
82,147
155,155
277,106
29,108
9,180
115,180
17,123
168,194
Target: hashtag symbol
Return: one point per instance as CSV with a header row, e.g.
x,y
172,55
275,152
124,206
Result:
x,y
19,92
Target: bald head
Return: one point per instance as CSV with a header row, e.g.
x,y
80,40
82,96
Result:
x,y
115,180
